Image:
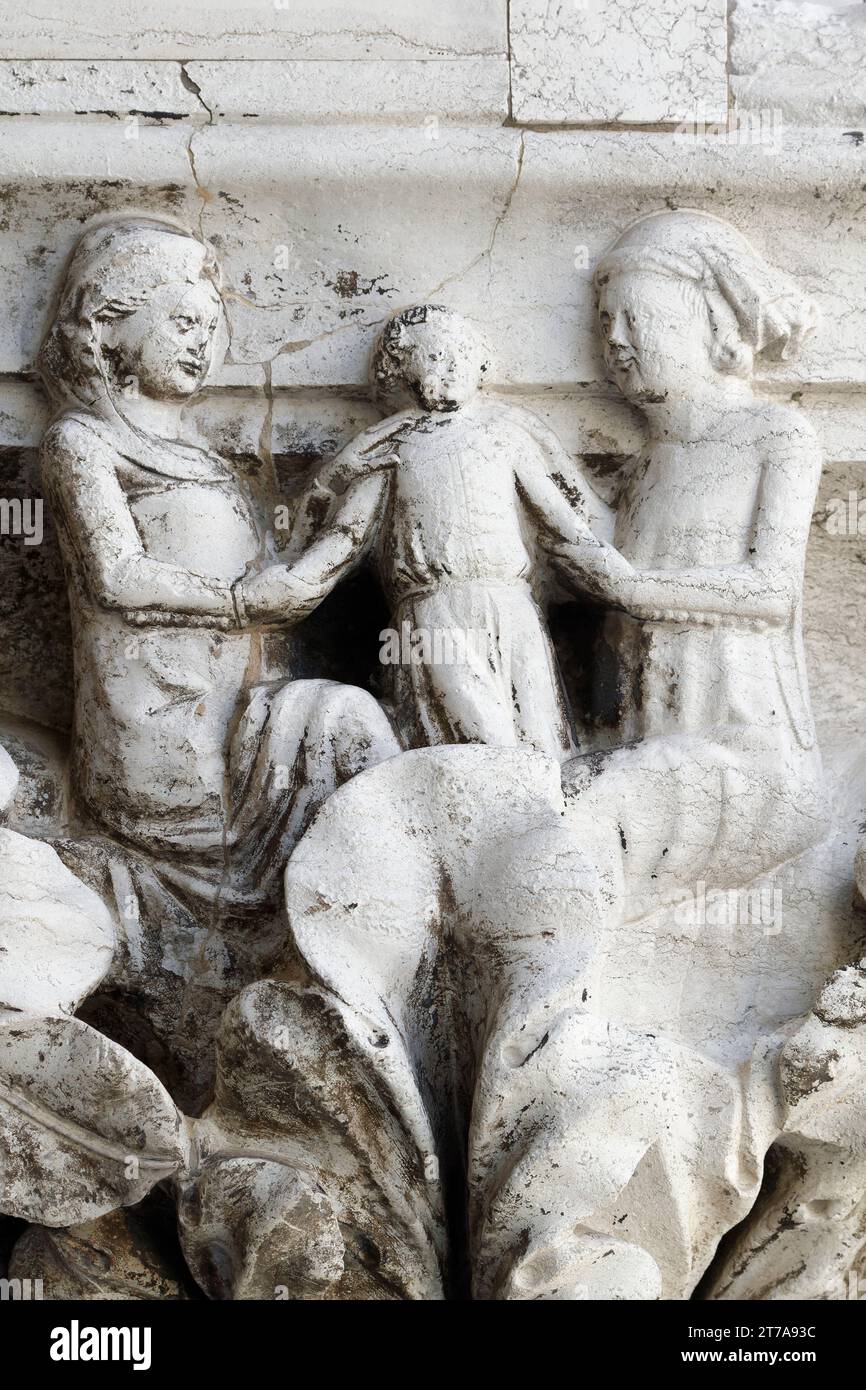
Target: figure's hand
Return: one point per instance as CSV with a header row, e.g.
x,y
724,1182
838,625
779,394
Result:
x,y
383,438
275,594
374,451
600,570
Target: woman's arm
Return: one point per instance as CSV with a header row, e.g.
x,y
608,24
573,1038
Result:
x,y
373,452
766,587
91,506
336,518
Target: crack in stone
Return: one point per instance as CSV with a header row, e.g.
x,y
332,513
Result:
x,y
192,86
487,252
203,194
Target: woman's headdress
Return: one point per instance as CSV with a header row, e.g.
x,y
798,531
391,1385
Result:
x,y
773,316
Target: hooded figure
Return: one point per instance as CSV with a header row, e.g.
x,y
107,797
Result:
x,y
191,743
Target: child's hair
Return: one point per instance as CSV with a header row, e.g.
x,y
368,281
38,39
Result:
x,y
753,307
425,326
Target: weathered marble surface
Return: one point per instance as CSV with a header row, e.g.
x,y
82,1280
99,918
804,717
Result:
x,y
805,62
258,29
546,1018
611,61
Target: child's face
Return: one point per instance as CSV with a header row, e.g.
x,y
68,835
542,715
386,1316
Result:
x,y
166,346
442,376
657,336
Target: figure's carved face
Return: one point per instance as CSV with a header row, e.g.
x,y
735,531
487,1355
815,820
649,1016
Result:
x,y
166,346
443,375
657,336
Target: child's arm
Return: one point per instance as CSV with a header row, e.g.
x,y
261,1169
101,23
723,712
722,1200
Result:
x,y
585,560
569,478
283,592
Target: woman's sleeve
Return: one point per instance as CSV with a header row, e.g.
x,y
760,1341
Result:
x,y
90,505
339,483
347,536
282,593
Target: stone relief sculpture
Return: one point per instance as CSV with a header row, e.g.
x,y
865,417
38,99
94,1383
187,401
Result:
x,y
804,1237
453,494
162,549
184,698
422,1087
73,1104
706,566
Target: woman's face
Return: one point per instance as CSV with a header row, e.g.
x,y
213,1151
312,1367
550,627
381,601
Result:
x,y
164,349
656,336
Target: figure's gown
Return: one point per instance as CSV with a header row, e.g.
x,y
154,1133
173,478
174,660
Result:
x,y
191,742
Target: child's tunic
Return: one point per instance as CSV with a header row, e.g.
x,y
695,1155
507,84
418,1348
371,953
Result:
x,y
464,501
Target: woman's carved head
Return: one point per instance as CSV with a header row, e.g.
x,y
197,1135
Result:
x,y
137,313
683,295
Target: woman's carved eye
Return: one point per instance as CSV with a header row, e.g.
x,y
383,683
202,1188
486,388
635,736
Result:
x,y
185,323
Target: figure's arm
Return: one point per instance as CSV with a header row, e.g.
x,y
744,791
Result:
x,y
584,559
568,477
371,453
766,587
79,474
293,591
336,518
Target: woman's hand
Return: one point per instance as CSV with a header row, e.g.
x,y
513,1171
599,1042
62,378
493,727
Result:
x,y
275,594
600,570
373,451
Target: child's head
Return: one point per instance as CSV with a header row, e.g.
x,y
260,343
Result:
x,y
683,297
434,353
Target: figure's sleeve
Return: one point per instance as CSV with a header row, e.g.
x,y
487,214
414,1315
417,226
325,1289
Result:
x,y
290,592
90,504
567,476
583,558
312,509
369,455
347,535
560,518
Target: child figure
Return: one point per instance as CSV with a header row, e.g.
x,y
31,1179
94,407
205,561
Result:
x,y
455,495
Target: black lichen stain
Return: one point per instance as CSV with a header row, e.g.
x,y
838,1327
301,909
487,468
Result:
x,y
348,284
